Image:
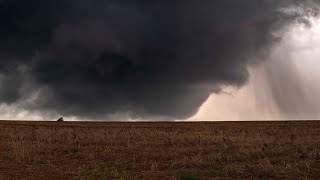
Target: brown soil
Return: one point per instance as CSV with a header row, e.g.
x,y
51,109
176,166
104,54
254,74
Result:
x,y
221,150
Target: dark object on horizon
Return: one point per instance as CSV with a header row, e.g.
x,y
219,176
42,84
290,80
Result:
x,y
60,120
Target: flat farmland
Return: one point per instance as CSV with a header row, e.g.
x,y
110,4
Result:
x,y
204,150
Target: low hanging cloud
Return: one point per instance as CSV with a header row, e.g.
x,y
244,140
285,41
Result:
x,y
93,58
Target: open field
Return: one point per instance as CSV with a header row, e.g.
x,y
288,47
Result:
x,y
221,150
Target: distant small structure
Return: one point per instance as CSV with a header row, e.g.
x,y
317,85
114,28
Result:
x,y
60,119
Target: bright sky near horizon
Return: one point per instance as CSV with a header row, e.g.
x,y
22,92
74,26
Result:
x,y
295,69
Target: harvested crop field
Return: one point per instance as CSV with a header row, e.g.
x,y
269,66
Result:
x,y
217,150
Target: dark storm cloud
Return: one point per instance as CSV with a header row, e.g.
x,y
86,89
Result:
x,y
90,58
